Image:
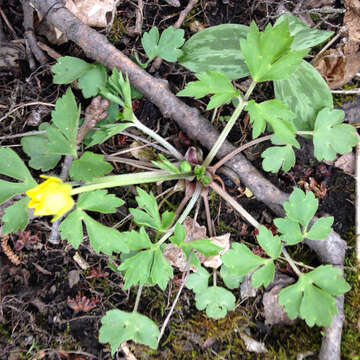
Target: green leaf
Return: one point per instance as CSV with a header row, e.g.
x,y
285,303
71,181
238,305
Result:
x,y
36,147
276,157
216,300
203,246
270,243
165,164
241,260
66,116
211,83
268,54
290,229
277,115
198,281
118,90
71,228
231,280
106,132
92,80
264,275
15,217
137,268
179,235
329,279
12,166
320,229
331,136
136,240
89,166
301,206
103,238
312,296
151,216
216,49
120,326
167,218
58,144
161,270
68,68
100,201
167,47
304,36
306,93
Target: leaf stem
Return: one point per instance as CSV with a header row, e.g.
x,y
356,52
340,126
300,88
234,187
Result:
x,y
184,214
137,123
250,90
137,300
130,179
224,133
291,262
238,150
242,103
214,277
305,133
234,204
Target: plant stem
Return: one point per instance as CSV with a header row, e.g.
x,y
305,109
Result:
x,y
229,125
214,277
239,149
224,133
305,133
157,137
185,213
291,262
138,295
250,90
130,179
234,204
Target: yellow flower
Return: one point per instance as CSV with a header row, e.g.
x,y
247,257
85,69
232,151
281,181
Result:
x,y
51,197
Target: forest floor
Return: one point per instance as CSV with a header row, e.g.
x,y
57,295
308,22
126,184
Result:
x,y
37,319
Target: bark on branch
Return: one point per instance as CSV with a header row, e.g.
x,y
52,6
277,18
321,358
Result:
x,y
96,46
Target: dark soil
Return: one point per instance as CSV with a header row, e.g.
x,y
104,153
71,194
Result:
x,y
36,321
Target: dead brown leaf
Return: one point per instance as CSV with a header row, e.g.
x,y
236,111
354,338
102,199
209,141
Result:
x,y
194,231
98,13
352,19
338,66
346,162
224,242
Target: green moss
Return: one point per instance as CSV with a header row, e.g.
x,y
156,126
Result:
x,y
117,30
341,99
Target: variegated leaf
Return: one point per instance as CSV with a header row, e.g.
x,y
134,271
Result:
x,y
306,93
216,49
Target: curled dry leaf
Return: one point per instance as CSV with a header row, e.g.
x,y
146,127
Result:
x,y
98,13
346,162
352,19
194,231
338,66
224,242
175,256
